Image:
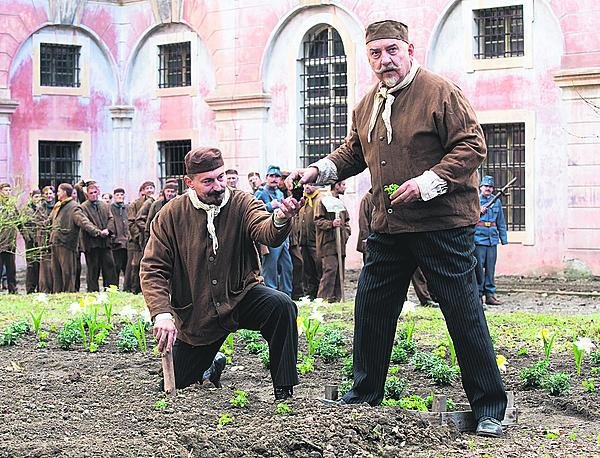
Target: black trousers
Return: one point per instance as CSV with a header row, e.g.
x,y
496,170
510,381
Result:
x,y
7,259
263,309
120,257
32,274
99,259
446,258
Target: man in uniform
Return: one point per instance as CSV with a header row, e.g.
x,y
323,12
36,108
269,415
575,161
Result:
x,y
200,274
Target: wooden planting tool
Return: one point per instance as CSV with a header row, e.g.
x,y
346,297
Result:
x,y
168,372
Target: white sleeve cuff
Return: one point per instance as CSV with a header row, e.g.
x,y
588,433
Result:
x,y
431,185
163,316
327,171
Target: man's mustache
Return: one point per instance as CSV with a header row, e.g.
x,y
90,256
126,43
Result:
x,y
387,68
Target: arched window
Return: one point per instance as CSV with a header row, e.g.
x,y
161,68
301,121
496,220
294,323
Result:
x,y
324,91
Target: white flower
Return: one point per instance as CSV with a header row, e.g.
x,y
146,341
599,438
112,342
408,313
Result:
x,y
318,302
113,288
305,300
128,312
585,344
501,362
75,308
102,298
88,300
408,308
145,314
42,297
316,315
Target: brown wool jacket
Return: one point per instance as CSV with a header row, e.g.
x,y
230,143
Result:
x,y
181,275
326,245
364,221
308,232
136,233
434,128
119,241
67,218
102,218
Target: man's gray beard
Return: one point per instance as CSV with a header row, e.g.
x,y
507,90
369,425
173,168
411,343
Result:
x,y
390,81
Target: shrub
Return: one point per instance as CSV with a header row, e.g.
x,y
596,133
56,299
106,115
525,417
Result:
x,y
394,387
534,375
127,342
69,334
557,384
443,374
13,332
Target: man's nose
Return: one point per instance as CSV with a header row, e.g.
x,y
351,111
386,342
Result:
x,y
385,58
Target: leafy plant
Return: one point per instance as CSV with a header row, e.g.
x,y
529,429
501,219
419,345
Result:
x,y
557,384
265,358
43,336
548,341
347,370
139,331
240,399
69,334
101,336
399,355
13,332
413,402
227,347
391,188
108,313
330,346
226,419
127,342
307,365
248,336
394,387
254,348
533,376
442,374
161,404
581,346
589,385
425,361
36,318
283,409
595,358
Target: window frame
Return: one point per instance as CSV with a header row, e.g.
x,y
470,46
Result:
x,y
74,71
53,160
526,117
161,39
165,56
163,176
470,32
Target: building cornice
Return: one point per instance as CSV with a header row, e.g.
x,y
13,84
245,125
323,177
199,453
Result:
x,y
578,77
243,102
8,106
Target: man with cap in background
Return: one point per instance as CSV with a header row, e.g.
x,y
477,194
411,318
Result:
x,y
277,263
490,230
169,192
416,130
136,236
201,279
232,178
120,238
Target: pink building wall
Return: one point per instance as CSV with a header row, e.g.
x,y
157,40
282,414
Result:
x,y
244,96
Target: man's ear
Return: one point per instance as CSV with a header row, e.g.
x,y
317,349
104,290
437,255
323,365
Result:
x,y
188,181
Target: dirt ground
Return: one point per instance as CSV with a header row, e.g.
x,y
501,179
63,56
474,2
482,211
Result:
x,y
77,404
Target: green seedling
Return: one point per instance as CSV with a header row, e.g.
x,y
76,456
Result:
x,y
36,318
589,385
240,399
557,384
395,387
391,188
161,404
227,347
283,409
533,376
297,190
307,365
226,419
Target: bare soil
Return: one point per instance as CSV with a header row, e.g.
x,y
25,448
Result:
x,y
78,404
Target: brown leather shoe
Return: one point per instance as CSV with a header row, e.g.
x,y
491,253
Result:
x,y
492,301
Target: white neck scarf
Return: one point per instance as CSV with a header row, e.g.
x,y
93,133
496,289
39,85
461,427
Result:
x,y
384,94
211,213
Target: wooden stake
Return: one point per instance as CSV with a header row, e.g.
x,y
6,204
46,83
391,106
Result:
x,y
168,372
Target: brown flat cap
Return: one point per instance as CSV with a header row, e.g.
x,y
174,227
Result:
x,y
387,29
203,159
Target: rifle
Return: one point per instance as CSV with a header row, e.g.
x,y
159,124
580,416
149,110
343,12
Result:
x,y
498,195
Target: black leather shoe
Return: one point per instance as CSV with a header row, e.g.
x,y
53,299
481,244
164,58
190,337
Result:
x,y
213,373
283,392
489,427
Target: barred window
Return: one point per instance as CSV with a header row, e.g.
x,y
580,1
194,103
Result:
x,y
499,32
506,160
58,163
171,162
175,65
324,91
59,65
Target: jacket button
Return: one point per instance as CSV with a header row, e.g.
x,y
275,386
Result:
x,y
211,258
382,138
383,163
390,211
217,304
214,282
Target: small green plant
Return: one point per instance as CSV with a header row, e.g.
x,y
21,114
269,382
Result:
x,y
533,376
442,374
101,336
391,188
36,318
13,332
283,409
254,348
330,346
394,370
43,336
248,336
589,385
425,361
551,434
413,402
139,331
69,334
557,384
265,358
394,387
522,351
595,358
108,313
347,370
595,371
547,338
227,347
240,399
310,325
226,419
344,387
126,342
307,365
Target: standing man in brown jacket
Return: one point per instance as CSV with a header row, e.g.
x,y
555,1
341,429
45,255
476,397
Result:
x,y
200,274
44,228
10,221
67,218
416,130
121,235
169,192
97,248
330,286
136,235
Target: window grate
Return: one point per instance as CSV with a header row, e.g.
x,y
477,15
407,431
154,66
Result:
x,y
171,163
499,32
324,94
58,163
175,65
506,160
59,65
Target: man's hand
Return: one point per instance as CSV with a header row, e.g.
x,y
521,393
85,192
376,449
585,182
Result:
x,y
104,233
307,175
288,208
337,222
165,332
406,193
483,210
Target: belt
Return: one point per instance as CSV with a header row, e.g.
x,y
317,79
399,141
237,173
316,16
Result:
x,y
486,223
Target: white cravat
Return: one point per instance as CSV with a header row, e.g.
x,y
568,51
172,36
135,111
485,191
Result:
x,y
384,94
211,213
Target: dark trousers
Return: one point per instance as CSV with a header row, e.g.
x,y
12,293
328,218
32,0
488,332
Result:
x,y
446,258
46,280
330,286
262,309
64,269
32,274
78,270
311,274
419,283
132,276
120,258
296,255
7,261
486,269
99,259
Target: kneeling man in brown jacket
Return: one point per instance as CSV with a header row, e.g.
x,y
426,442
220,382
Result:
x,y
200,276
